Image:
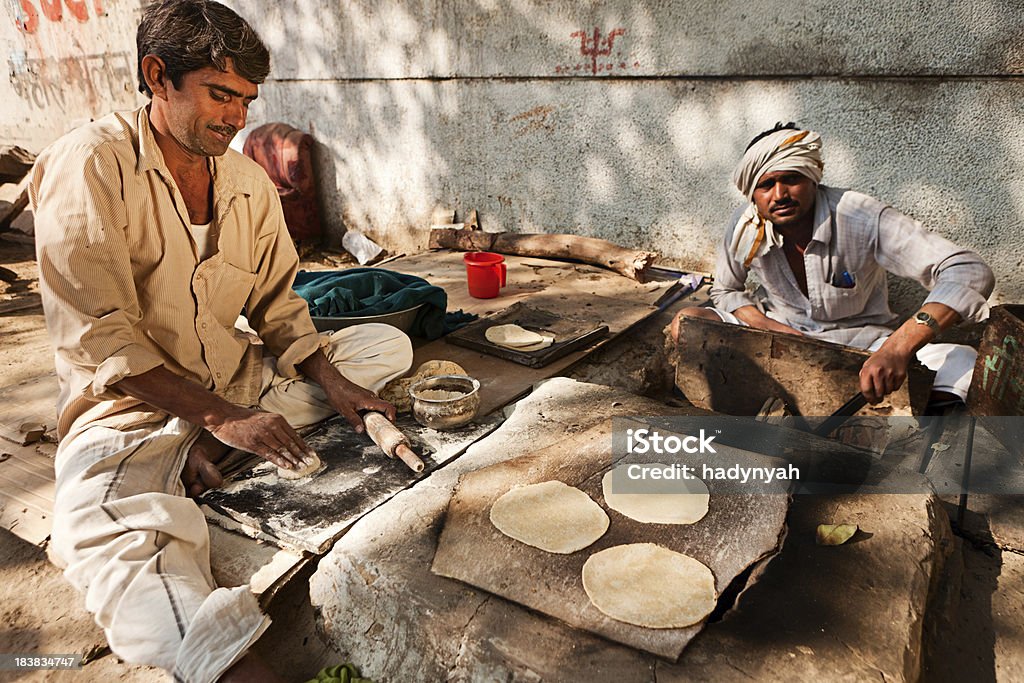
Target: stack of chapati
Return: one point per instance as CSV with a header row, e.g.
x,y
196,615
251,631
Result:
x,y
638,583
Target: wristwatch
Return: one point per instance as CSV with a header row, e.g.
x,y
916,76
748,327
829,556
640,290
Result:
x,y
923,318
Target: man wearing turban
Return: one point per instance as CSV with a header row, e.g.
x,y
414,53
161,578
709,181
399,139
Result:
x,y
821,255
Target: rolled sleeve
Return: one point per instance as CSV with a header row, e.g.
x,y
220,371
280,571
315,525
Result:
x,y
729,290
971,302
954,276
131,360
301,349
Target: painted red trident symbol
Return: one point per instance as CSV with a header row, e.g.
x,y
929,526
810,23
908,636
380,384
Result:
x,y
594,46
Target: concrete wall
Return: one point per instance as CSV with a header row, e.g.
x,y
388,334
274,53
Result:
x,y
620,119
503,106
67,61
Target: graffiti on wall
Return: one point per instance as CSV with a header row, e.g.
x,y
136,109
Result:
x,y
59,82
999,378
27,18
600,52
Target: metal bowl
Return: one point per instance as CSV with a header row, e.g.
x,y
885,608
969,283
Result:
x,y
434,410
403,320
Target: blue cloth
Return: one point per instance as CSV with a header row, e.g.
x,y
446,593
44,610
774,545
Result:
x,y
376,291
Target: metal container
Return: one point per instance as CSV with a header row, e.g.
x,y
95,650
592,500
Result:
x,y
445,401
403,320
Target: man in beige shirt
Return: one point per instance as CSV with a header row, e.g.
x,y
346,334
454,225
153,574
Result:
x,y
152,237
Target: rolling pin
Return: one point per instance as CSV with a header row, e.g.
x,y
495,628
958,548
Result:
x,y
392,441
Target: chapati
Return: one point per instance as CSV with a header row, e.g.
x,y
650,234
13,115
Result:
x,y
551,515
647,585
512,336
686,504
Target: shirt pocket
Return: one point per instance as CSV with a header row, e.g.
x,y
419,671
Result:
x,y
844,302
229,293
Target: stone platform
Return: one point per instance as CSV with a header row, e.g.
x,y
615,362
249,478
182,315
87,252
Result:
x,y
810,613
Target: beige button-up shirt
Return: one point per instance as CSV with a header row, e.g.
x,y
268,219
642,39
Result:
x,y
123,287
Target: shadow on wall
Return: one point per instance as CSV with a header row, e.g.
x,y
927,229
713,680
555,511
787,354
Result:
x,y
416,110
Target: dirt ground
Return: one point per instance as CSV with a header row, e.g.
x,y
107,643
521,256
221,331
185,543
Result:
x,y
981,637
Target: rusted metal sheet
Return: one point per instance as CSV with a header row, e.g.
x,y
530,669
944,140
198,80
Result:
x,y
997,388
734,370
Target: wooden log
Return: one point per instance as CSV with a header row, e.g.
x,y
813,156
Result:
x,y
633,264
13,200
15,163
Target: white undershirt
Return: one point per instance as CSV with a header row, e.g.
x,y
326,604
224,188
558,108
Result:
x,y
205,245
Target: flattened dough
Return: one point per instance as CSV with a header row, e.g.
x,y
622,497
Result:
x,y
551,516
545,342
687,506
303,470
647,585
512,336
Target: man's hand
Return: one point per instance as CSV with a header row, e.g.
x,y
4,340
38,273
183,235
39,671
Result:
x,y
886,369
267,435
348,398
883,373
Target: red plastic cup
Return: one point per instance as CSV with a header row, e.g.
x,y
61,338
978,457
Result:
x,y
485,273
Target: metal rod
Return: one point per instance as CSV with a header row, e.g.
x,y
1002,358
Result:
x,y
965,482
840,416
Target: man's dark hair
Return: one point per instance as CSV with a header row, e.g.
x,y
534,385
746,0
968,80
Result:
x,y
189,35
778,126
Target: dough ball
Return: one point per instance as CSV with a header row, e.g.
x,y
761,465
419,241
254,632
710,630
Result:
x,y
301,472
551,516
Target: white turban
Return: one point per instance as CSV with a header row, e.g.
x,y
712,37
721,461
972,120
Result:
x,y
784,150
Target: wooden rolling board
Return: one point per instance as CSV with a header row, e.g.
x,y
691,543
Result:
x,y
502,381
738,530
569,334
310,514
528,278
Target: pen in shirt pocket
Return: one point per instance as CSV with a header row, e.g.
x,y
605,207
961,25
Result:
x,y
844,280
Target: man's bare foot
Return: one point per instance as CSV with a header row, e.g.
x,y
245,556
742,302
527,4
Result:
x,y
200,472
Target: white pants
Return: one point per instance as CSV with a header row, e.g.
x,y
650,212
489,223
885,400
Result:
x,y
953,363
139,549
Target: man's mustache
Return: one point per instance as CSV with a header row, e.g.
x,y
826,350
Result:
x,y
784,204
225,130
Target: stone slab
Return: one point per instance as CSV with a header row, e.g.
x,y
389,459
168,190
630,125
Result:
x,y
379,603
830,613
846,613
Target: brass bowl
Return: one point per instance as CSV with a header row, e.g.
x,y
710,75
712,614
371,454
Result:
x,y
445,401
